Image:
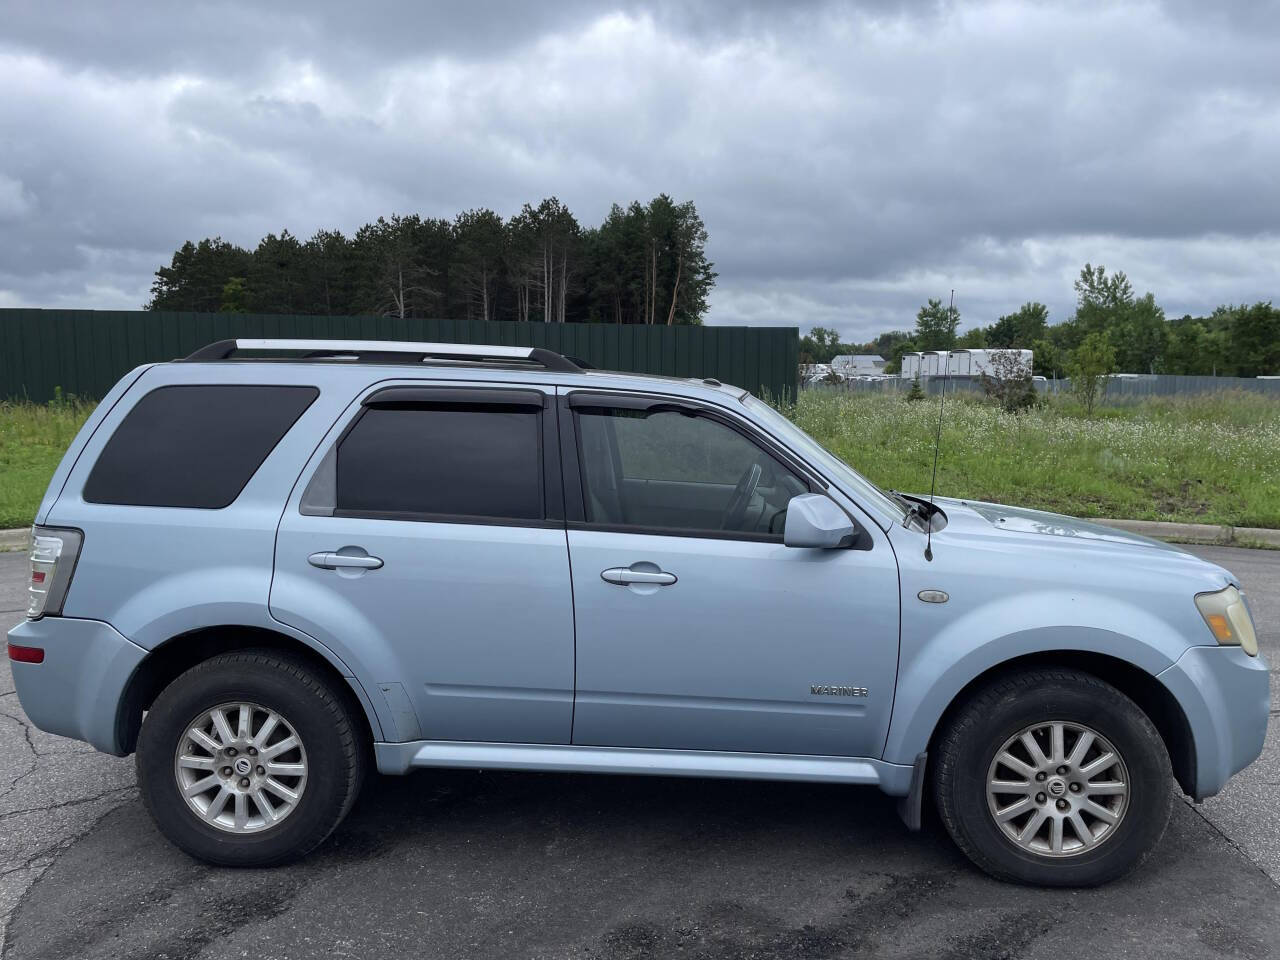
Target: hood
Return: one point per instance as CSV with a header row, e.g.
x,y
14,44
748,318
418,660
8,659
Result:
x,y
1032,546
1038,522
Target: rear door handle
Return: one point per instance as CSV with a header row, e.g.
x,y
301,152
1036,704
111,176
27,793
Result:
x,y
328,560
626,576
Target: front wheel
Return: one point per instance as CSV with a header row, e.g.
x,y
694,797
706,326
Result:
x,y
249,759
1053,777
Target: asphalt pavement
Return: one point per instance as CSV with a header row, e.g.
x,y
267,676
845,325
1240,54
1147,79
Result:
x,y
474,864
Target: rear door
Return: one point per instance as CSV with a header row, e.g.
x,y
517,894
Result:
x,y
425,543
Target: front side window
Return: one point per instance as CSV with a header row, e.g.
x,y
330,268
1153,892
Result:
x,y
414,461
668,469
808,447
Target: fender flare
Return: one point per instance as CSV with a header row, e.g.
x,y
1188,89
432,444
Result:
x,y
930,685
376,710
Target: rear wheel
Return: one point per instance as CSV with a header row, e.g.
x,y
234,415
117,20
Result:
x,y
249,759
1053,777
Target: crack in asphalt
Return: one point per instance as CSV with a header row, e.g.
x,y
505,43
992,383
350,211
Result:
x,y
52,850
1244,855
219,915
37,861
35,755
23,721
17,780
44,858
76,802
26,731
31,863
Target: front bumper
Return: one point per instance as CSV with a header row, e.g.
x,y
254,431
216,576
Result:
x,y
76,691
1226,696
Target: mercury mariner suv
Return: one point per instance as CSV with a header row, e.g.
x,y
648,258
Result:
x,y
270,565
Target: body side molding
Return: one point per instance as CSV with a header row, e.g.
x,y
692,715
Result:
x,y
894,779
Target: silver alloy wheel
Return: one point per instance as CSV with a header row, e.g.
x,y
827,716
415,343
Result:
x,y
1058,789
241,767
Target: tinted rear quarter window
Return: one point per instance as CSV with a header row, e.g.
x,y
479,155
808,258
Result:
x,y
423,461
194,446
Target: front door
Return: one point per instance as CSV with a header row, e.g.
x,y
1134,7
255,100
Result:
x,y
420,547
697,629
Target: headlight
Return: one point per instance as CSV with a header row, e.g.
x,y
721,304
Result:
x,y
1228,619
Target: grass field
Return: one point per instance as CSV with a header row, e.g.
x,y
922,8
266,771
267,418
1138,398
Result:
x,y
1209,459
1206,459
33,438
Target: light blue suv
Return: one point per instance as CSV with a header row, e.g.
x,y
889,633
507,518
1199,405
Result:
x,y
271,564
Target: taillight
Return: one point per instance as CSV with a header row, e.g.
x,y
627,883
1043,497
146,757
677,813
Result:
x,y
53,559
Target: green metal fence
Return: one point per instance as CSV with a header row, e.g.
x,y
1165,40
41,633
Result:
x,y
84,352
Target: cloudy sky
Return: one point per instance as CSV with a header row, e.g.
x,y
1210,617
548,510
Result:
x,y
849,160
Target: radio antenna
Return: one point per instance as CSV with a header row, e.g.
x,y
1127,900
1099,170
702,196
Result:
x,y
937,440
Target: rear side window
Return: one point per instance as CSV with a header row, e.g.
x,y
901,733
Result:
x,y
194,446
448,461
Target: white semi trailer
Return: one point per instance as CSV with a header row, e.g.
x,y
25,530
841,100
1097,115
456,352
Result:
x,y
959,363
929,363
933,363
976,363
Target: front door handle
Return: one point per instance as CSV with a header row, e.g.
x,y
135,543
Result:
x,y
625,576
329,560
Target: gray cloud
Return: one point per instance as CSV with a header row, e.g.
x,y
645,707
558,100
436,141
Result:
x,y
849,161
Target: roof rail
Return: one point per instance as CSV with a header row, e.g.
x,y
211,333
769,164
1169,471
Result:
x,y
387,351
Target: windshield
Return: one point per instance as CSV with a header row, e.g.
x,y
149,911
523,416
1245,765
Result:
x,y
856,483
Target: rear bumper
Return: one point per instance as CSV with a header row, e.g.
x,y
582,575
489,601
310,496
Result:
x,y
1226,696
76,691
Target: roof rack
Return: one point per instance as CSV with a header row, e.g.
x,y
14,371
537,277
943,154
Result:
x,y
388,351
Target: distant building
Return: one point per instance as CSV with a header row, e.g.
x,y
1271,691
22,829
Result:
x,y
858,365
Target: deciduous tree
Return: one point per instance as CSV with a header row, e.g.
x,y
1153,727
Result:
x,y
936,326
1090,365
1021,328
1255,338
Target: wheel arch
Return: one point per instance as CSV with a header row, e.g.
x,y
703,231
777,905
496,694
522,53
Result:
x,y
1140,686
170,659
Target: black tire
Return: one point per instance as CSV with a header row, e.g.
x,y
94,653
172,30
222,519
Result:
x,y
972,737
320,715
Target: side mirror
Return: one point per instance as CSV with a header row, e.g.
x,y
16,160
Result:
x,y
815,521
